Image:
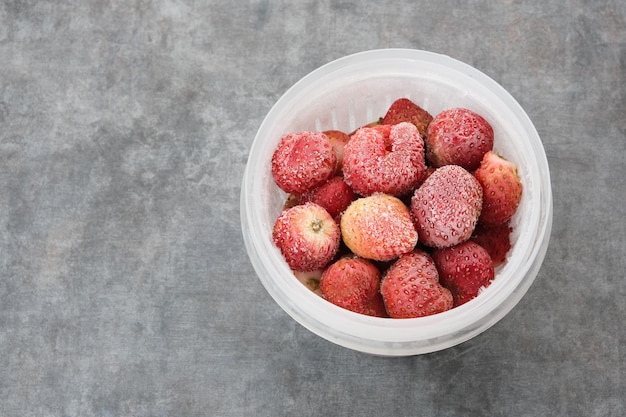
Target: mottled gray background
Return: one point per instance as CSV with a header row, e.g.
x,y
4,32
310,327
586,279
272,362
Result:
x,y
125,289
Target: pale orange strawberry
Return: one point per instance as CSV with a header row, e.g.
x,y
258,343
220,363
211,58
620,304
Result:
x,y
378,227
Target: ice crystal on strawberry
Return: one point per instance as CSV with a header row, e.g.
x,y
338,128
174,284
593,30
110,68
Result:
x,y
378,160
446,207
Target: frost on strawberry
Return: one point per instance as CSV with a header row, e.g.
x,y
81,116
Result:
x,y
464,269
495,239
446,207
405,110
307,236
384,159
502,189
378,227
334,195
458,136
303,160
353,283
411,287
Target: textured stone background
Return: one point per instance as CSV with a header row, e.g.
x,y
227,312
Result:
x,y
125,289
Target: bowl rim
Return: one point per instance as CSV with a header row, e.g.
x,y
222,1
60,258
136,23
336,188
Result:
x,y
394,337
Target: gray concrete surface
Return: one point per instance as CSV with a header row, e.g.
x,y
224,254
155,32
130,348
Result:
x,y
125,289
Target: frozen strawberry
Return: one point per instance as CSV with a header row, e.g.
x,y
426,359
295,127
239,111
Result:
x,y
502,189
338,140
410,287
458,136
352,283
405,110
464,269
376,162
378,227
334,195
446,207
307,236
495,239
303,160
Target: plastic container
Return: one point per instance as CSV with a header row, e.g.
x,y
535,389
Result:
x,y
348,93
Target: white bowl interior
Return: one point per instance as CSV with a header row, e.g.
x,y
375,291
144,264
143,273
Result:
x,y
348,93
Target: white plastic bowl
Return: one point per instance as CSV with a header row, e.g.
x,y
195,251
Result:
x,y
348,93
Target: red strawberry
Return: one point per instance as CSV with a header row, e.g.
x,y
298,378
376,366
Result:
x,y
387,163
334,195
352,283
307,236
458,136
338,140
496,240
502,189
404,110
303,160
411,288
378,227
464,269
446,207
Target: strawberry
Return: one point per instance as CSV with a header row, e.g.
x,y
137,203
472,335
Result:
x,y
307,236
496,240
378,227
464,269
334,195
404,110
352,283
338,140
502,189
377,161
446,207
410,287
458,136
303,160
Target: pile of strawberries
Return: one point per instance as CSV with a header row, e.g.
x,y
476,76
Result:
x,y
405,217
